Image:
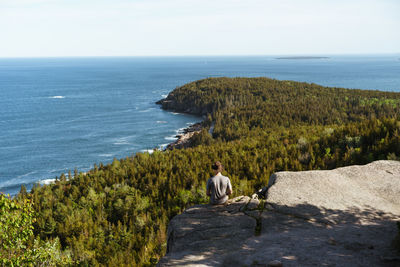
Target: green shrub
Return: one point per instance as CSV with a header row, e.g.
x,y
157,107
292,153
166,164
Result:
x,y
17,246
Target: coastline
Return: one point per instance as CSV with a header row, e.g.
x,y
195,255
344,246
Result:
x,y
184,138
183,141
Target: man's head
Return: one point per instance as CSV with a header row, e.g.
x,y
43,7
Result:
x,y
217,167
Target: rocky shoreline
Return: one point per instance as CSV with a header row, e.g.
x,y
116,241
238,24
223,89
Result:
x,y
169,103
184,138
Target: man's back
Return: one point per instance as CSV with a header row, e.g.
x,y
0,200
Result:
x,y
219,187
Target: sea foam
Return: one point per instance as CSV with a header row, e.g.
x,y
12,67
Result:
x,y
47,181
150,151
106,155
163,146
170,138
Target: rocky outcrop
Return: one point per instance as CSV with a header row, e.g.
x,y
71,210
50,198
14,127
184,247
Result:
x,y
171,102
184,138
341,217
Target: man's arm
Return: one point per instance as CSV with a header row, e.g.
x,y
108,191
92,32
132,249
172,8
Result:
x,y
208,192
229,188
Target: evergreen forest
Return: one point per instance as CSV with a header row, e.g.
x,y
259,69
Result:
x,y
117,214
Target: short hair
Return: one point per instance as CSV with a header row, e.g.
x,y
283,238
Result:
x,y
218,166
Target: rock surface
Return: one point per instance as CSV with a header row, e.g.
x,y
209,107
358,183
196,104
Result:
x,y
341,217
184,138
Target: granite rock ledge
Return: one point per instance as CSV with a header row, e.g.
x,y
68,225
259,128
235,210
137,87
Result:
x,y
341,217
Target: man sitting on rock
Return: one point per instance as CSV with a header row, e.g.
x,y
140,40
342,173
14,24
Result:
x,y
218,186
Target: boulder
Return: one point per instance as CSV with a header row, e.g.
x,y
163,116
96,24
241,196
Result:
x,y
341,217
203,232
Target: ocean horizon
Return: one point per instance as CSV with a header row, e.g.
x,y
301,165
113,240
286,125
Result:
x,y
58,114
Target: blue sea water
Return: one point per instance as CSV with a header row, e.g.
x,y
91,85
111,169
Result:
x,y
57,114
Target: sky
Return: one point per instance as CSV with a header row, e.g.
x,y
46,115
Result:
x,y
64,28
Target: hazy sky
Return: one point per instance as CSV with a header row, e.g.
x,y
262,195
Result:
x,y
197,27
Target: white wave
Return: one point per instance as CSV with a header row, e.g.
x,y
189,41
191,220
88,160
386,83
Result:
x,y
57,97
162,122
163,146
125,110
175,113
164,96
146,110
121,141
150,151
26,174
55,171
171,138
106,155
47,181
190,123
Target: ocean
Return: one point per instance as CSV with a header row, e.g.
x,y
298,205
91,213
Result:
x,y
58,114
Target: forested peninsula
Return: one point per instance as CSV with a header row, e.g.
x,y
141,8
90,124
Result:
x,y
117,214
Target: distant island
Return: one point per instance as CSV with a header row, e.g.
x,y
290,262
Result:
x,y
302,57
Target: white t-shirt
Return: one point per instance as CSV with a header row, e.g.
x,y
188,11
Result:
x,y
218,186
